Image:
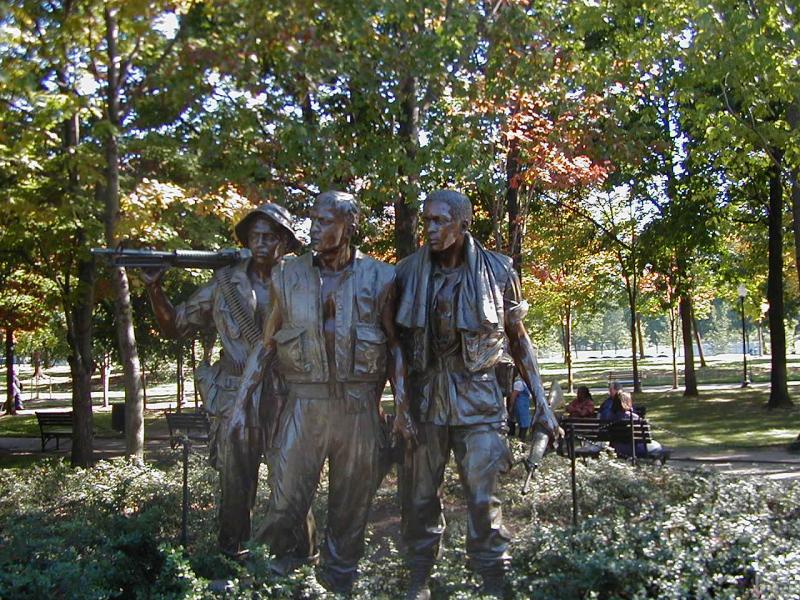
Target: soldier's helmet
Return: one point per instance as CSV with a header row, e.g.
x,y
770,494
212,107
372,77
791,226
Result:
x,y
276,213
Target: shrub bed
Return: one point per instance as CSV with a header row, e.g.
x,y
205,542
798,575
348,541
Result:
x,y
644,532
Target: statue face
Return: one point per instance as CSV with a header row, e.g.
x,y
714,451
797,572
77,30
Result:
x,y
266,241
442,229
329,228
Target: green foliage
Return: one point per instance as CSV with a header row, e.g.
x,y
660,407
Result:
x,y
644,532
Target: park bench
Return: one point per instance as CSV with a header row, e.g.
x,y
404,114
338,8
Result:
x,y
625,377
194,425
589,432
54,425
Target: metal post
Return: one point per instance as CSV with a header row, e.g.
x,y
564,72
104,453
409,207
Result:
x,y
179,374
571,450
185,507
745,380
633,439
194,377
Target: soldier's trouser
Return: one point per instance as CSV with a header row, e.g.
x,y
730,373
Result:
x,y
346,433
238,463
481,455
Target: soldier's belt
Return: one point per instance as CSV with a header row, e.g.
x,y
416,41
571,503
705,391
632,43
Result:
x,y
331,390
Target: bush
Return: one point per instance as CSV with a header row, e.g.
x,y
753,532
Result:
x,y
644,532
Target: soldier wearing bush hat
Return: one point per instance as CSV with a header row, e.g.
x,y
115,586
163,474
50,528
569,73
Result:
x,y
233,306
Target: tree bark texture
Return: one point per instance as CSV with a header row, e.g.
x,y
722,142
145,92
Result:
x,y
689,375
79,338
698,340
512,206
779,392
134,403
9,372
673,334
406,206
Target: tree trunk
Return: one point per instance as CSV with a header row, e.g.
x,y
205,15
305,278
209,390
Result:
x,y
673,346
793,117
134,404
512,202
37,365
105,374
689,376
640,336
78,312
699,341
10,410
568,344
760,338
779,392
406,206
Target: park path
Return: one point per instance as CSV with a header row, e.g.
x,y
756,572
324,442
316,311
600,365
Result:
x,y
774,462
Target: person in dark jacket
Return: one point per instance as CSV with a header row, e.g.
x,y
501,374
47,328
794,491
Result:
x,y
614,388
622,410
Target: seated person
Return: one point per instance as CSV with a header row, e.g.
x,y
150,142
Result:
x,y
614,388
583,405
622,410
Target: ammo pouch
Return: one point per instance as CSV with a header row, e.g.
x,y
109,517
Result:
x,y
208,382
504,371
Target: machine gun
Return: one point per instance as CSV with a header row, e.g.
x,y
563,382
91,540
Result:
x,y
187,259
540,438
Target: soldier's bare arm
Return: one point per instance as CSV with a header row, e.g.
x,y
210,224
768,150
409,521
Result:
x,y
524,354
403,423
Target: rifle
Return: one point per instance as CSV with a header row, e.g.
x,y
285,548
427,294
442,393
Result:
x,y
540,438
187,259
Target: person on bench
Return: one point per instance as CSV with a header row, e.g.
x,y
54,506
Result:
x,y
583,405
622,410
614,388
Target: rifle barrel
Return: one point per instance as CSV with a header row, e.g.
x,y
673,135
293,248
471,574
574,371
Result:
x,y
188,259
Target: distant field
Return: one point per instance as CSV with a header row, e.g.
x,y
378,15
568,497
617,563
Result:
x,y
724,415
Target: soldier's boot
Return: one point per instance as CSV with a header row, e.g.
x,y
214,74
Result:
x,y
494,582
337,583
419,582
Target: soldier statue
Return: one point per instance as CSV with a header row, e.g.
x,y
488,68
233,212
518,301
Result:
x,y
234,303
332,332
458,306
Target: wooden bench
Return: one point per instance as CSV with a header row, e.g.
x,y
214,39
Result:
x,y
625,377
590,432
194,425
54,425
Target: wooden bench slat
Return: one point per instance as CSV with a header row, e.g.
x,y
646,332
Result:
x,y
54,425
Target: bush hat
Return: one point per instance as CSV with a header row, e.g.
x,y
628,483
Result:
x,y
276,213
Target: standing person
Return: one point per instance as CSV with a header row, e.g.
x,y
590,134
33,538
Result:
x,y
332,332
521,405
234,304
458,306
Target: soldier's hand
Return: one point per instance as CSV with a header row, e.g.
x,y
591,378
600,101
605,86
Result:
x,y
152,276
404,427
236,425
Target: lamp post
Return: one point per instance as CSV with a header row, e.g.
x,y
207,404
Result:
x,y
742,290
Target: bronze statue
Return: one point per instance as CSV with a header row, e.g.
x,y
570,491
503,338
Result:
x,y
234,303
332,332
458,306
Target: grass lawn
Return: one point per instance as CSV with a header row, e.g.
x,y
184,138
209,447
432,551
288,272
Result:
x,y
726,417
731,417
